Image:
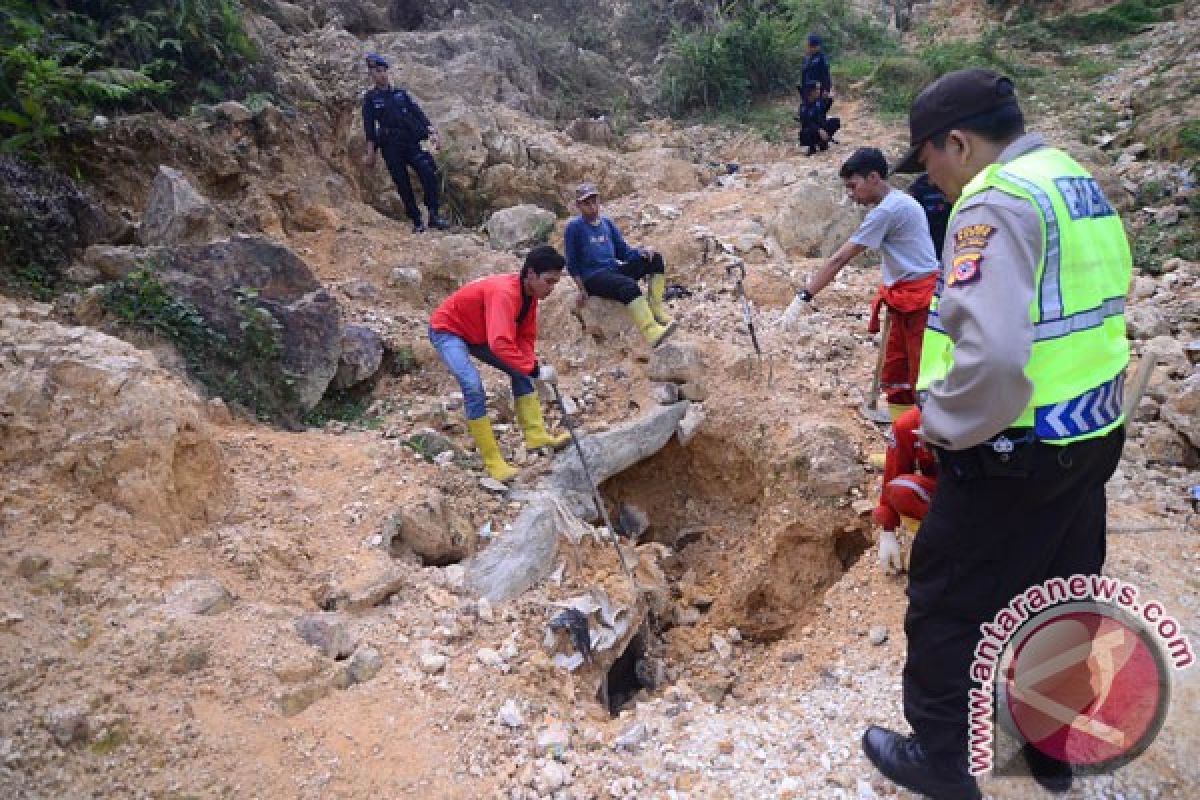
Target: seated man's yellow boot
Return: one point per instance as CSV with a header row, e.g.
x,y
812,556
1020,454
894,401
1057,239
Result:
x,y
529,417
639,310
489,451
657,284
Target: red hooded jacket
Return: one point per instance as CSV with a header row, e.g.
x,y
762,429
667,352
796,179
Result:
x,y
484,312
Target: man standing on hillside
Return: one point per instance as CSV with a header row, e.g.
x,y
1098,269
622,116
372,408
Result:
x,y
1022,368
603,264
895,226
396,125
816,69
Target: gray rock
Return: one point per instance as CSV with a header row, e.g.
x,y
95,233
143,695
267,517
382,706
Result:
x,y
68,724
523,224
878,634
199,596
1146,322
696,391
114,262
1182,410
364,665
632,738
281,329
433,663
405,276
689,426
510,715
676,362
666,393
176,213
293,700
330,633
234,111
362,353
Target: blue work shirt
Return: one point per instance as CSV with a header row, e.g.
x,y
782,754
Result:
x,y
592,248
816,68
391,116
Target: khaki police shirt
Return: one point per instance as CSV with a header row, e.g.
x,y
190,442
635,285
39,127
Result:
x,y
998,239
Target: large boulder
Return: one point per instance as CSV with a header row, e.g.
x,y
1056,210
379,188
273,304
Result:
x,y
272,333
1182,410
88,420
436,533
519,225
813,218
44,218
175,212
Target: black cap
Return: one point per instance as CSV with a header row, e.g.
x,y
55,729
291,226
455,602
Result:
x,y
376,60
814,40
950,99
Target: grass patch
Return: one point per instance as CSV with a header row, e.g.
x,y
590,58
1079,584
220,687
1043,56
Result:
x,y
1126,18
1154,244
348,406
770,120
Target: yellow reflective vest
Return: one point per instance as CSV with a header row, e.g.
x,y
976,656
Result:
x,y
1080,349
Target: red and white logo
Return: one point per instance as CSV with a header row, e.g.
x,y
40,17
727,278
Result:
x,y
1084,683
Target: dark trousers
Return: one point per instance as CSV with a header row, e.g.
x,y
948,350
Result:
x,y
621,284
985,539
809,137
399,157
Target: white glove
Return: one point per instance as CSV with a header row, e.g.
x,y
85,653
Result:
x,y
797,307
547,374
889,553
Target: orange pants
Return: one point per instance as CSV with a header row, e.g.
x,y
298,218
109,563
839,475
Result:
x,y
902,356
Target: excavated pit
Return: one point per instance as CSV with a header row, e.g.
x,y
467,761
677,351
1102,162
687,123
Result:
x,y
742,552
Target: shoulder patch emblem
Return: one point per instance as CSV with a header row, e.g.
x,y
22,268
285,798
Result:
x,y
973,236
965,269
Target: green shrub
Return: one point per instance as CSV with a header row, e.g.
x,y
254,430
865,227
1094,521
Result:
x,y
62,62
756,50
1119,21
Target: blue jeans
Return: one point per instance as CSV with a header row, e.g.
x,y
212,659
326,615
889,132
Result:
x,y
456,354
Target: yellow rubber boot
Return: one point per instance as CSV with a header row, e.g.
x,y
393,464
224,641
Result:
x,y
896,409
657,284
529,416
655,334
489,451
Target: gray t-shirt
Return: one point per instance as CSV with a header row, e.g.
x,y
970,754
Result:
x,y
897,228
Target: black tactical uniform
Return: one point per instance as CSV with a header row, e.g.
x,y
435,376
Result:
x,y
396,125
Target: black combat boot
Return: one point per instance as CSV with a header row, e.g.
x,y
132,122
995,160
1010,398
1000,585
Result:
x,y
439,222
902,760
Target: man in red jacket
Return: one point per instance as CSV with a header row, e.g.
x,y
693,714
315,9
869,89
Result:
x,y
494,319
909,478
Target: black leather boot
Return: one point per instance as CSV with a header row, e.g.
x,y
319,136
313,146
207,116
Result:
x,y
902,760
1050,773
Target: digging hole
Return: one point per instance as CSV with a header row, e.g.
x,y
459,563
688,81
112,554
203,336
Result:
x,y
741,555
624,676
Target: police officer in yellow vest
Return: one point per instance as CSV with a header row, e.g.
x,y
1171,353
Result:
x,y
1022,368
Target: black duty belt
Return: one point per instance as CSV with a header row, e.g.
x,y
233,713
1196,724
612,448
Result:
x,y
1008,454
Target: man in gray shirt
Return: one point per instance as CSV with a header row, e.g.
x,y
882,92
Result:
x,y
896,226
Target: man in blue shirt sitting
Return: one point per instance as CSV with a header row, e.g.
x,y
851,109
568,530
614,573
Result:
x,y
603,265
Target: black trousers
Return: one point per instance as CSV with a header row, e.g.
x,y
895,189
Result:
x,y
810,137
621,284
986,539
399,156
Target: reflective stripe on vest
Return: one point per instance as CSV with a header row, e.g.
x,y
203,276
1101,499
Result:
x,y
1080,349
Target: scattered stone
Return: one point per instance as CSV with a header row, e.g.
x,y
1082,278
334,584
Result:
x,y
433,663
364,665
878,634
199,596
31,565
483,610
666,393
191,659
489,657
722,646
676,362
493,485
67,724
405,276
553,740
551,777
330,633
510,715
632,738
293,701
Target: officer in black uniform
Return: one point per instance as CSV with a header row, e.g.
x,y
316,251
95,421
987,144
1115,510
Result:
x,y
937,208
816,68
396,125
816,129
